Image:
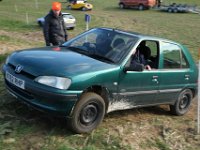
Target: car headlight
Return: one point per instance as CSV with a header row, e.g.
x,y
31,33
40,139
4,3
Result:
x,y
56,82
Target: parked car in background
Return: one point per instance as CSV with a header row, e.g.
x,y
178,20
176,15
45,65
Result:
x,y
69,21
80,5
140,4
93,74
179,8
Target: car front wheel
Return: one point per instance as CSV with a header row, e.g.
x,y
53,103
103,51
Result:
x,y
183,103
88,113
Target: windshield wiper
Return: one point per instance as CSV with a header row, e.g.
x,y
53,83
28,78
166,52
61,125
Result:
x,y
62,45
77,49
100,57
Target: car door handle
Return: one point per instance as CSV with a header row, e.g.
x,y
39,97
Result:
x,y
187,77
155,79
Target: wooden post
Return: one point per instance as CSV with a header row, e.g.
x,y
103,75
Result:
x,y
16,8
198,109
27,21
36,4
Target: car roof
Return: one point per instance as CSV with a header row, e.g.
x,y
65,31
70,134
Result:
x,y
143,36
64,13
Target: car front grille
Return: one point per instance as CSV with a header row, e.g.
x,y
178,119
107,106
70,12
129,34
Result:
x,y
26,74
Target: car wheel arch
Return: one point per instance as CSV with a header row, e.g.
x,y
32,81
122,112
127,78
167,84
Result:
x,y
194,92
87,113
97,89
101,91
175,108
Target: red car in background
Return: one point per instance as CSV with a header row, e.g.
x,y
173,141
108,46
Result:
x,y
140,4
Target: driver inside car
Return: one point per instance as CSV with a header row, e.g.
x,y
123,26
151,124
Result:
x,y
139,60
101,46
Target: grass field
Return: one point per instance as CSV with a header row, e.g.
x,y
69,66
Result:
x,y
22,128
183,28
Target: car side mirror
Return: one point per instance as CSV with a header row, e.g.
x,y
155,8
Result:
x,y
138,67
126,68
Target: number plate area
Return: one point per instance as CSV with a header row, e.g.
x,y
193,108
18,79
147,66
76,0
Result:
x,y
16,81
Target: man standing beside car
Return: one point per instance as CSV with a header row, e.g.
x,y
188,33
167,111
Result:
x,y
54,29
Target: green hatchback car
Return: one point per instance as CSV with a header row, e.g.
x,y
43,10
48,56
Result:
x,y
94,74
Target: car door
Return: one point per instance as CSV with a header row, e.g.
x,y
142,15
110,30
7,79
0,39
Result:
x,y
141,87
174,72
138,88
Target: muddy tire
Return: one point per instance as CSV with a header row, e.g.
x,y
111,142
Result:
x,y
183,103
88,113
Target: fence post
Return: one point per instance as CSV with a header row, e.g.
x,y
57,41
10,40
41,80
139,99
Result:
x,y
16,8
87,20
36,4
27,21
198,105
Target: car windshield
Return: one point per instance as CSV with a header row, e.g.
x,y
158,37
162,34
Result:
x,y
103,44
68,16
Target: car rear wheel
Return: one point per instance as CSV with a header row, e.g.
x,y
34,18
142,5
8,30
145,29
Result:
x,y
84,9
141,7
175,10
69,7
88,113
121,6
183,103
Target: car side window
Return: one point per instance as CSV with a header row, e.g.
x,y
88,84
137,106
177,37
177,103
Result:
x,y
154,47
173,57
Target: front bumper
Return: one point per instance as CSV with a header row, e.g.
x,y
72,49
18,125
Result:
x,y
70,25
50,100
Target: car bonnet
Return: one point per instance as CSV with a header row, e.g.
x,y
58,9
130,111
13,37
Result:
x,y
56,61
